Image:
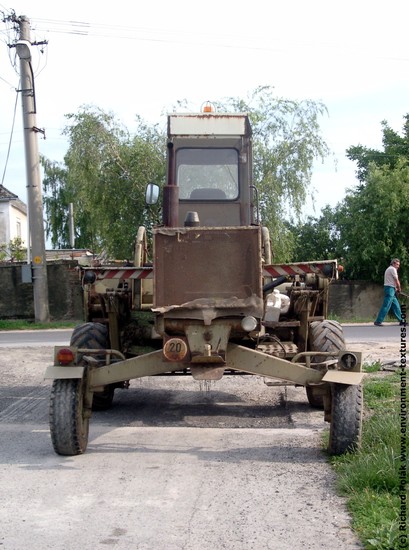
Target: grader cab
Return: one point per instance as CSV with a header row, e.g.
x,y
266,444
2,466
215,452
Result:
x,y
209,301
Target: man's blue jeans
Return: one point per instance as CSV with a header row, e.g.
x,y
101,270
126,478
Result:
x,y
389,302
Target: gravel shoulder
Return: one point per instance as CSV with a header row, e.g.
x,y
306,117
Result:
x,y
386,353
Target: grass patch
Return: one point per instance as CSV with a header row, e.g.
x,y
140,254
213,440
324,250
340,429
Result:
x,y
381,394
376,366
23,324
376,520
370,478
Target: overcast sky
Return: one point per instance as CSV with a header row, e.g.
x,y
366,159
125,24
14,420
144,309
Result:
x,y
142,57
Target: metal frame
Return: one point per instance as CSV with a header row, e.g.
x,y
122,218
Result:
x,y
239,358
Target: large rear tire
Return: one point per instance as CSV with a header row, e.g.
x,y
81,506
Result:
x,y
327,336
314,396
346,418
69,420
90,336
94,336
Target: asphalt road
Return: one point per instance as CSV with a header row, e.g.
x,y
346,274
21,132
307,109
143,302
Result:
x,y
174,465
390,332
37,338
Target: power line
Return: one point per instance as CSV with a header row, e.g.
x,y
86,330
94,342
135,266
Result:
x,y
261,43
10,140
183,37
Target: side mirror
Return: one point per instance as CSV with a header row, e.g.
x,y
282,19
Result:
x,y
152,193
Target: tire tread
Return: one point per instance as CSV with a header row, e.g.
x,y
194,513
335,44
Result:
x,y
69,431
346,419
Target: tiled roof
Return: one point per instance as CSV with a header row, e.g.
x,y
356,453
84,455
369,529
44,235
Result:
x,y
6,194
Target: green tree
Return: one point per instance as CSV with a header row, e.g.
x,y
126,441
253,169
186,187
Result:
x,y
56,202
366,230
370,226
105,172
317,238
18,253
104,175
372,219
286,143
373,223
395,148
14,251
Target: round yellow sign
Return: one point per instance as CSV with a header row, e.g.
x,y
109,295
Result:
x,y
175,349
37,260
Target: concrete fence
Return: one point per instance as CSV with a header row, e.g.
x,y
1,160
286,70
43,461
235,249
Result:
x,y
355,299
64,292
347,300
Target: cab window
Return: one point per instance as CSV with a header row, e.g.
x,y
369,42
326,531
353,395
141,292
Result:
x,y
207,174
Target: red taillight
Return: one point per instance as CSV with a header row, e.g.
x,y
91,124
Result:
x,y
64,356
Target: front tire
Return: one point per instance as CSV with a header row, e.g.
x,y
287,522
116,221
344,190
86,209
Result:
x,y
69,419
346,418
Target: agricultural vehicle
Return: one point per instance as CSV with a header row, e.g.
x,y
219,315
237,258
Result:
x,y
210,302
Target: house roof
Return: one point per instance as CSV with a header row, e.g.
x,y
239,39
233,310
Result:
x,y
8,196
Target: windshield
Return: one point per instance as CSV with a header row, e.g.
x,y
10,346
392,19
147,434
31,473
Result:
x,y
208,174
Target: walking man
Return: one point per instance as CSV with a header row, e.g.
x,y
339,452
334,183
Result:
x,y
391,286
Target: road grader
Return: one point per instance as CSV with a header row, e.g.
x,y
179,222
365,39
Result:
x,y
209,301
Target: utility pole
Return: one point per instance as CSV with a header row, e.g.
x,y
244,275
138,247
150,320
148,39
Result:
x,y
34,195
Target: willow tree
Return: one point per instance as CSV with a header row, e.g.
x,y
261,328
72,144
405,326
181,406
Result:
x,y
286,142
104,176
106,169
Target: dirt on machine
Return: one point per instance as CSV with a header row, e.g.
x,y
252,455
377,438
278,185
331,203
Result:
x,y
208,301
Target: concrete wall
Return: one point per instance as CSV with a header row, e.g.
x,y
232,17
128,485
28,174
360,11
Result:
x,y
64,289
355,299
347,299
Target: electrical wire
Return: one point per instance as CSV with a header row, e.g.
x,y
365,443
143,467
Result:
x,y
86,29
11,139
179,36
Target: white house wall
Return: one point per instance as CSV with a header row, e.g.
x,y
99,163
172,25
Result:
x,y
13,223
18,224
4,223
